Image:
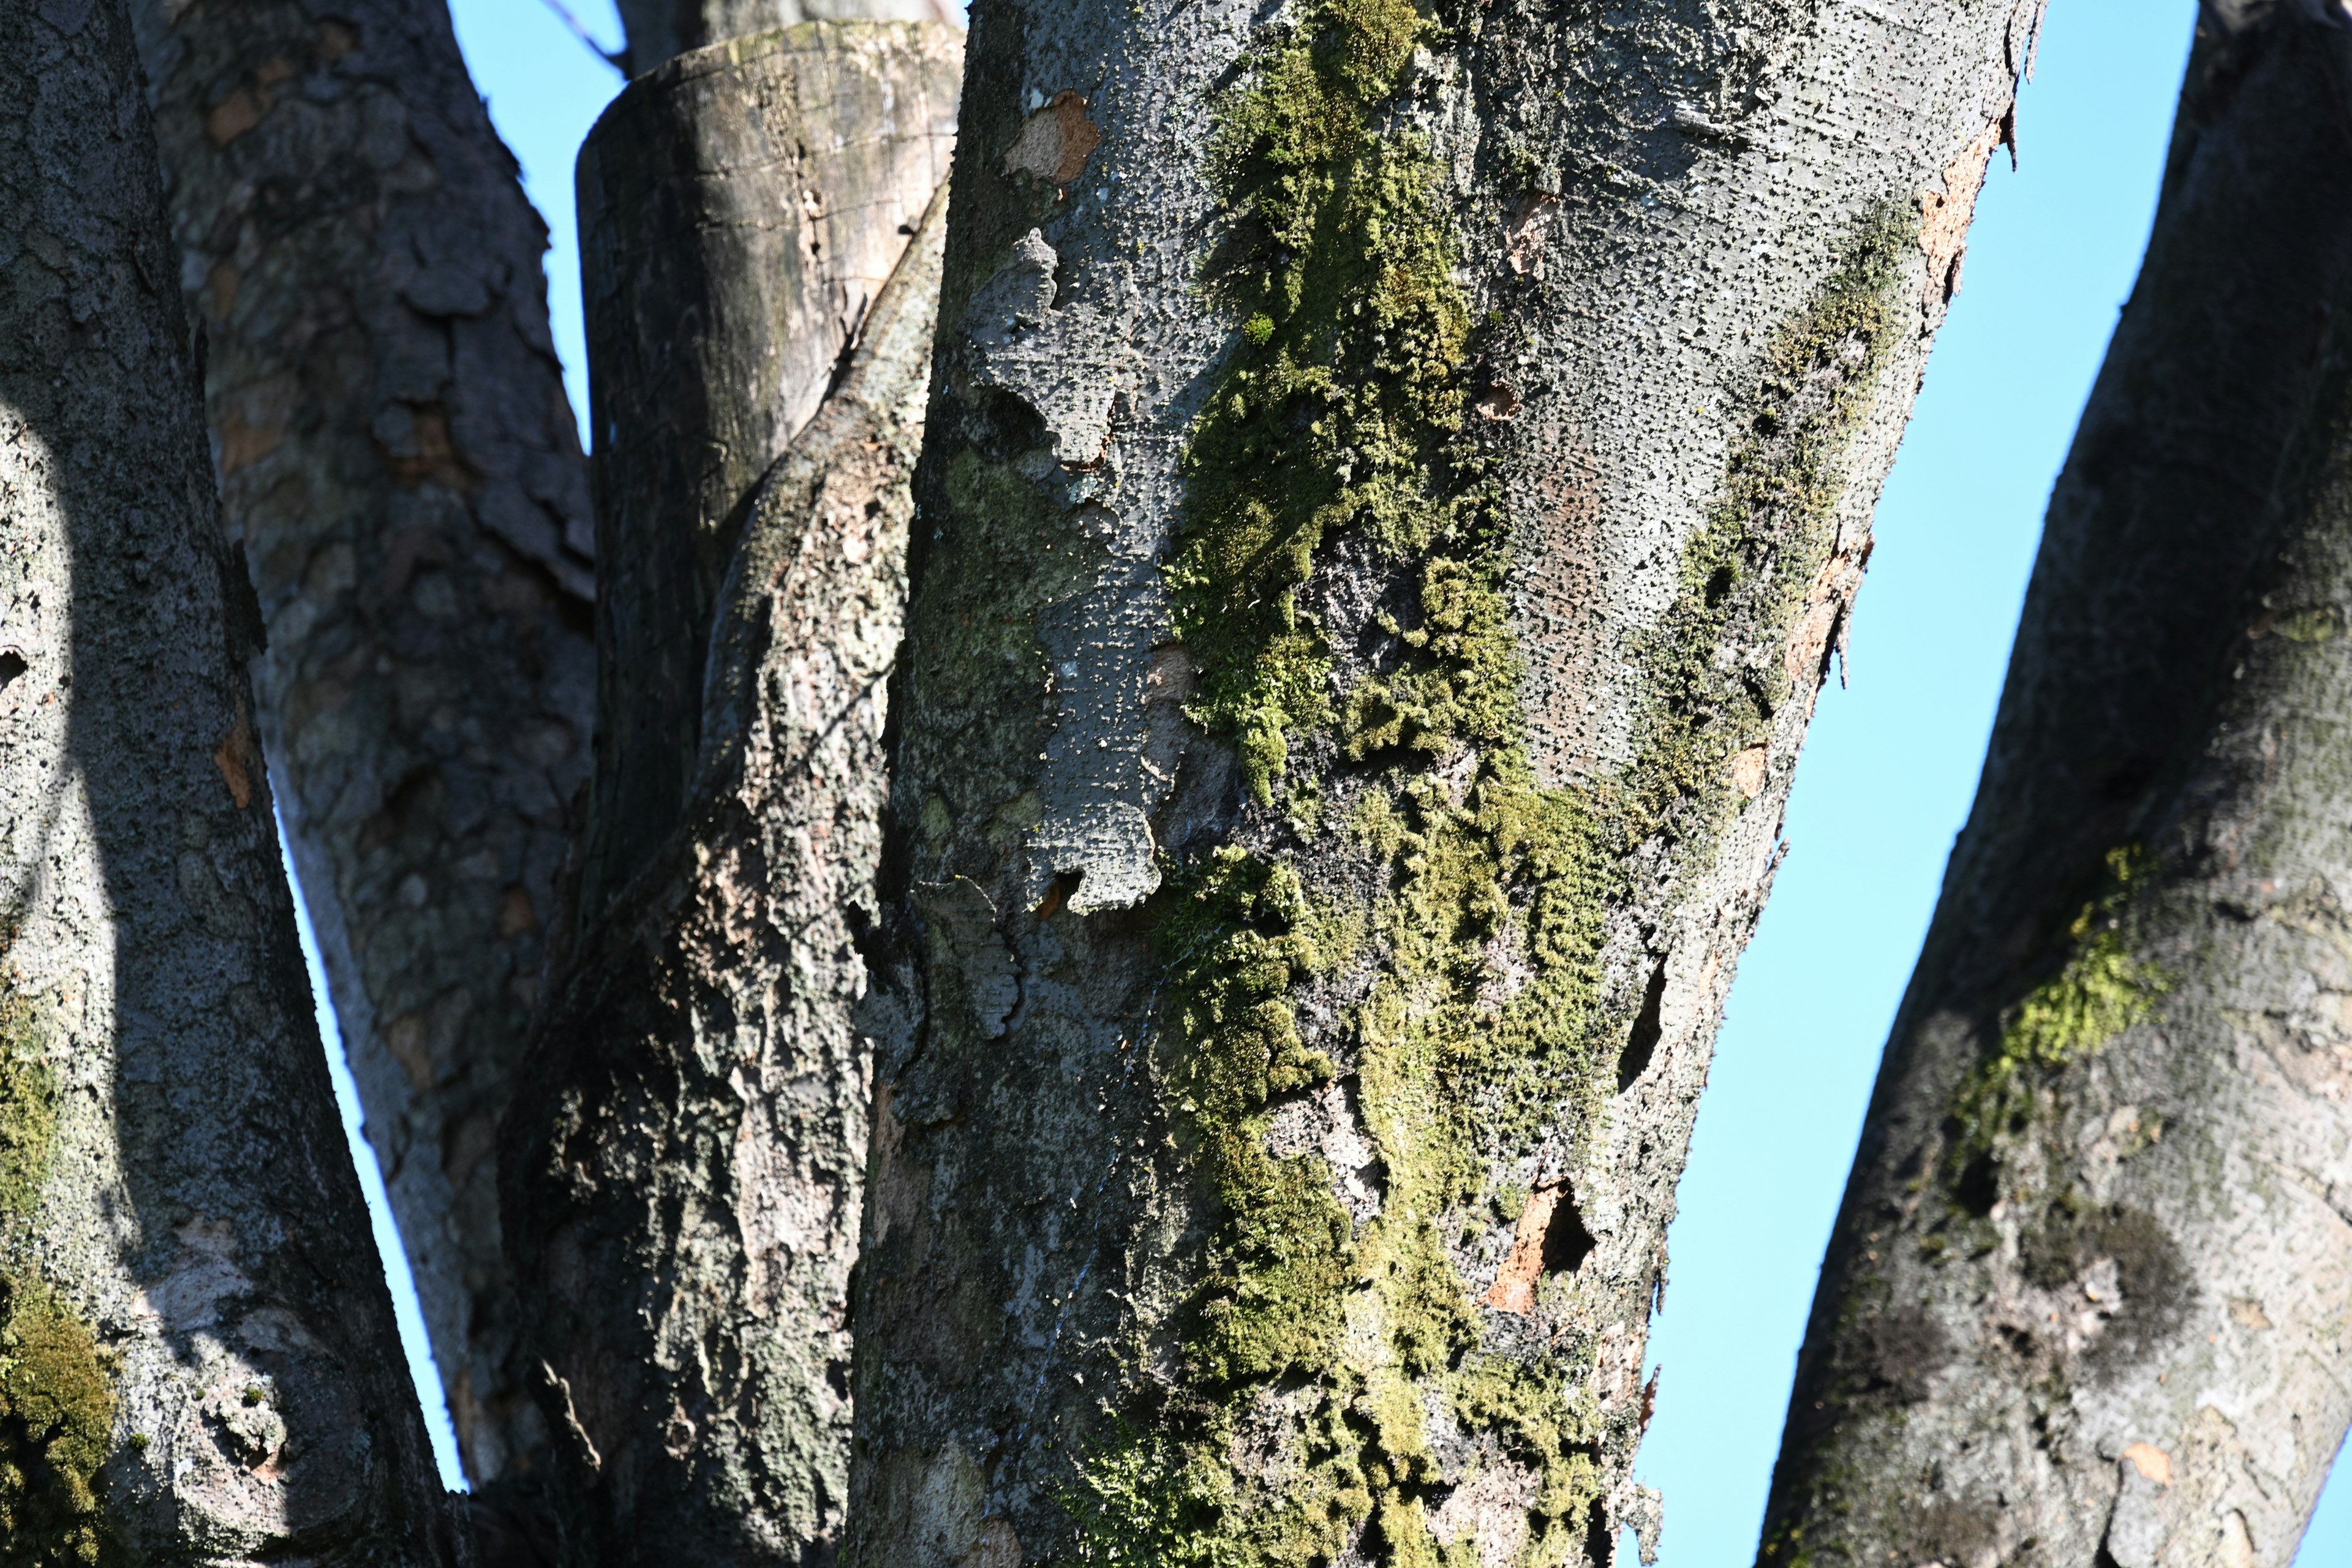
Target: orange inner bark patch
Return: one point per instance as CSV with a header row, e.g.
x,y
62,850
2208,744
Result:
x,y
1526,236
406,1039
1827,600
1551,1239
2151,1462
1747,769
234,115
238,758
1944,216
1054,143
422,451
516,913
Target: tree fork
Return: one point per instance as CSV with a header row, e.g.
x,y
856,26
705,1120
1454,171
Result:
x,y
201,1358
2084,1300
691,1155
1393,487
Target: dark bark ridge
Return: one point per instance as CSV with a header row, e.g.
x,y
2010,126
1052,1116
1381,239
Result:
x,y
691,1152
2086,1285
1291,1011
201,1363
400,466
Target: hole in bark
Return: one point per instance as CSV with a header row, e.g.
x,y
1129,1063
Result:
x,y
1718,584
1566,1242
1643,1043
1064,885
1979,1186
12,667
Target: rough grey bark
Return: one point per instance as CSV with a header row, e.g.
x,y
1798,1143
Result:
x,y
1393,487
689,1161
686,1166
739,208
2085,1301
400,466
201,1360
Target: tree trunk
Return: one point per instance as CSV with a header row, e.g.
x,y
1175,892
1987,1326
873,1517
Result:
x,y
201,1364
2084,1304
688,1165
400,466
1392,489
739,208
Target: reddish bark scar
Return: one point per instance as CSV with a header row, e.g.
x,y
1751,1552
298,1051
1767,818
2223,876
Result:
x,y
1054,143
1515,1287
238,758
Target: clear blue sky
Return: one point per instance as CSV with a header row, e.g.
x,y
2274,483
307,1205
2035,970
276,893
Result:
x,y
1887,774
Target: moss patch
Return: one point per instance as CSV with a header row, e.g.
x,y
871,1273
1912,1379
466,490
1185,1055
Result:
x,y
1315,1346
28,1106
2101,988
56,1419
57,1401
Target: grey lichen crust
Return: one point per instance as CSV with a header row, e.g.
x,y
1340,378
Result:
x,y
197,1357
2084,1304
1394,486
400,471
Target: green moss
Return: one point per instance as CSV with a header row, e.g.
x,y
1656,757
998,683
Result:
x,y
28,1110
2100,989
1482,1025
57,1420
57,1401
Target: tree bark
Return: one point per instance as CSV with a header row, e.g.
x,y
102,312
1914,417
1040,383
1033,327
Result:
x,y
400,467
2084,1303
201,1364
660,30
698,1125
739,208
1393,488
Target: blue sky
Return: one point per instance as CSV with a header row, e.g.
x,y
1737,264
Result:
x,y
1891,762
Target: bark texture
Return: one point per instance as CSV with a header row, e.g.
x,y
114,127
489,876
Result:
x,y
1394,483
2085,1301
401,469
690,1163
201,1364
740,208
659,30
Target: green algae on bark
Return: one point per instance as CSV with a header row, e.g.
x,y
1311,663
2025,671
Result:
x,y
1341,411
2101,989
56,1402
57,1421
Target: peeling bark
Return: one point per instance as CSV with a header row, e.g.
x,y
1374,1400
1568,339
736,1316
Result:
x,y
202,1363
2084,1304
687,1164
400,467
1392,488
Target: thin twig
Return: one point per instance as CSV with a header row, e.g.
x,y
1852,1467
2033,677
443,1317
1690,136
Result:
x,y
617,59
